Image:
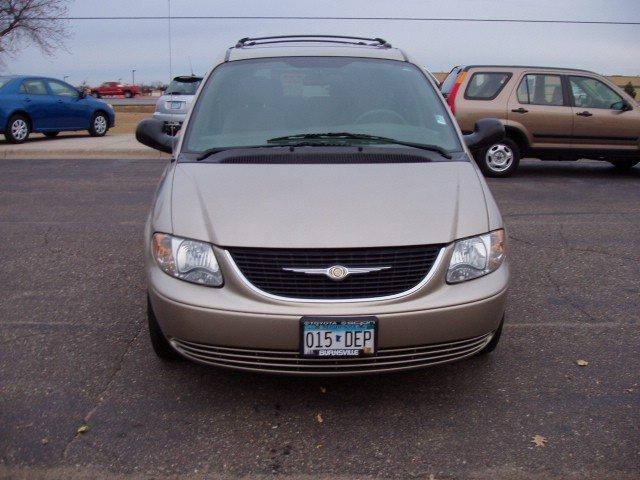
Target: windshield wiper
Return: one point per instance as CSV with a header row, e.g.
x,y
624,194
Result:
x,y
359,136
212,151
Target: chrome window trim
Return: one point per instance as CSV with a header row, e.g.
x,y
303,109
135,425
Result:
x,y
434,268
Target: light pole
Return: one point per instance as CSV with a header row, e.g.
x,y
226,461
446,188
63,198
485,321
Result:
x,y
133,77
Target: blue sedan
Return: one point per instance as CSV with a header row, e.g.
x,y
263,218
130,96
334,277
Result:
x,y
49,106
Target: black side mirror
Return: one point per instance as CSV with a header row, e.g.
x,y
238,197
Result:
x,y
82,94
622,106
150,132
487,132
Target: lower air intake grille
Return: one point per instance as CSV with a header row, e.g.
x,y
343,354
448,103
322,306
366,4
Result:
x,y
290,362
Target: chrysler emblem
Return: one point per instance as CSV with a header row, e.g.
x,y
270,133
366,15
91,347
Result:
x,y
336,272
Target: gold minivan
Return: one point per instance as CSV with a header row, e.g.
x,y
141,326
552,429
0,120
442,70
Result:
x,y
548,113
322,214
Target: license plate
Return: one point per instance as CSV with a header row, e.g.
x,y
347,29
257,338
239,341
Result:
x,y
338,336
175,105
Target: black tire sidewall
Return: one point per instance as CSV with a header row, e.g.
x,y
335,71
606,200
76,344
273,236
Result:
x,y
159,342
9,136
480,157
493,343
625,164
128,95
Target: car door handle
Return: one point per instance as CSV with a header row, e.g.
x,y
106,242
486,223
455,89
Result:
x,y
27,99
520,110
59,100
585,114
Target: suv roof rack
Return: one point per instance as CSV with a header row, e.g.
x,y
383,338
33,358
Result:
x,y
343,39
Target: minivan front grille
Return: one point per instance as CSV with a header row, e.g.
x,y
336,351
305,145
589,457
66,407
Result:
x,y
395,270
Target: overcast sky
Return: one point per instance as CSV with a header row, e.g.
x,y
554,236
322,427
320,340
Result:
x,y
100,50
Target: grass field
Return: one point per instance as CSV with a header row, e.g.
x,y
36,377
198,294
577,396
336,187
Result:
x,y
126,122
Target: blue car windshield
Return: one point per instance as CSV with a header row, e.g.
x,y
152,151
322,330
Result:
x,y
254,102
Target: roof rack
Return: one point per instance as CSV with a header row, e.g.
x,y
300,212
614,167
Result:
x,y
370,42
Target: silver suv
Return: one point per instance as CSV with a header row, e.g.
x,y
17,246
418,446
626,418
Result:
x,y
322,215
173,105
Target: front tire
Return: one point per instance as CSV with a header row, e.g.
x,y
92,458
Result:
x,y
99,125
624,165
491,346
499,160
159,342
128,94
18,129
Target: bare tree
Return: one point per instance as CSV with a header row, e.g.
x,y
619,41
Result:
x,y
38,22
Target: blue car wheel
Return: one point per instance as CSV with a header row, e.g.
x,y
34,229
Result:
x,y
18,129
99,125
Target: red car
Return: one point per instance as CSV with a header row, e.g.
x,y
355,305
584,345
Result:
x,y
116,89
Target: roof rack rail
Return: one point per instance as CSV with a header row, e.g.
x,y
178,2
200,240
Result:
x,y
371,42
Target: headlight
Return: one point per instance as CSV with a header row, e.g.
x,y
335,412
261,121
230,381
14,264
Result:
x,y
476,256
186,259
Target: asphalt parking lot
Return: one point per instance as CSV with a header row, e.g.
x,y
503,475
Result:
x,y
74,351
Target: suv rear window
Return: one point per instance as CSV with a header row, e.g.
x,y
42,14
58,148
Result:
x,y
183,87
541,89
486,85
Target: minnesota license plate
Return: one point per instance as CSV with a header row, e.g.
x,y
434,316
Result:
x,y
338,336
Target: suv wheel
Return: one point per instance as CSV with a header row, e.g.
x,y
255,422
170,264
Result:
x,y
128,94
18,129
99,125
499,160
159,342
624,164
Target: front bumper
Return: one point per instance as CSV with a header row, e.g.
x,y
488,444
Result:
x,y
236,327
177,118
457,322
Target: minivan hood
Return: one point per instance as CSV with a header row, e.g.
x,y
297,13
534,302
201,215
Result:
x,y
327,206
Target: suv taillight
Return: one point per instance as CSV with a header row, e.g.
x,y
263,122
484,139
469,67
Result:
x,y
451,98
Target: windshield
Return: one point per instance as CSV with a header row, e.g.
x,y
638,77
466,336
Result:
x,y
177,87
246,103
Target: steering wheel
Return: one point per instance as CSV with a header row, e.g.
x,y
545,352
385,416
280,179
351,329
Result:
x,y
380,112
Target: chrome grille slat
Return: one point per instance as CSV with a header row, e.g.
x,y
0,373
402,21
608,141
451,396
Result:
x,y
335,364
292,362
239,349
295,359
318,362
436,345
